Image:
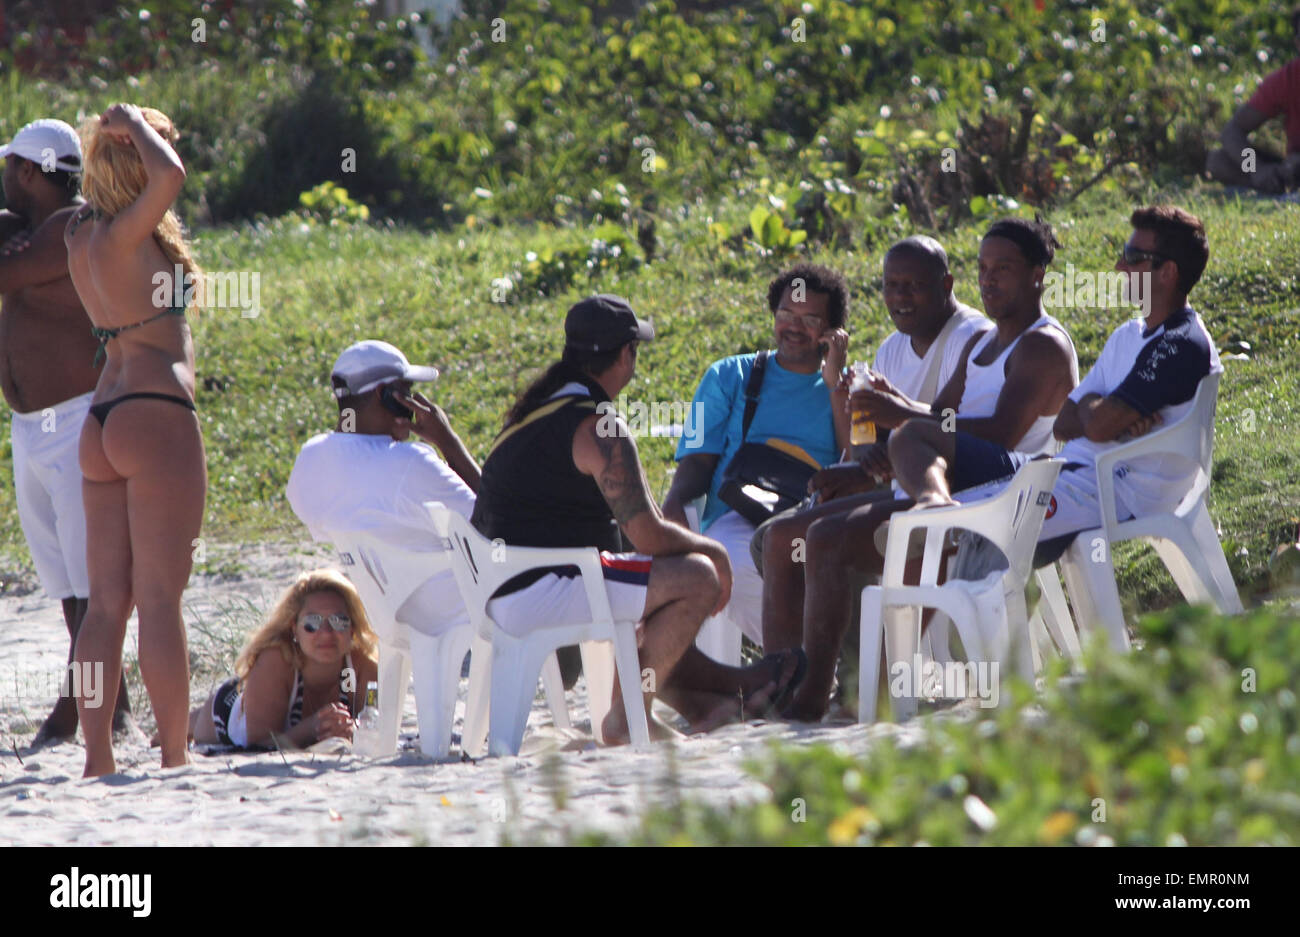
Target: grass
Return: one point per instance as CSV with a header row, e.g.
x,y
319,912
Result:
x,y
263,382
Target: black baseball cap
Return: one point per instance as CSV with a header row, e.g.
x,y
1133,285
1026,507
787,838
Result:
x,y
604,322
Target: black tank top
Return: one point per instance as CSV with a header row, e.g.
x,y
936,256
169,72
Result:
x,y
532,495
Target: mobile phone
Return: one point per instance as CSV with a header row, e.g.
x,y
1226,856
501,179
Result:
x,y
388,398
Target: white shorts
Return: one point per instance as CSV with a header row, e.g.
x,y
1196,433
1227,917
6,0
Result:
x,y
47,487
561,600
1074,505
745,608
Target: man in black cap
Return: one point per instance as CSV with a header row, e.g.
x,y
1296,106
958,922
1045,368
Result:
x,y
564,472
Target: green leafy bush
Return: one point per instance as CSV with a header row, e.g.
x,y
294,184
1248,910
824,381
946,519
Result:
x,y
1192,740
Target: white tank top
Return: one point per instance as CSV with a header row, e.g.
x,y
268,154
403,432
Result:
x,y
984,384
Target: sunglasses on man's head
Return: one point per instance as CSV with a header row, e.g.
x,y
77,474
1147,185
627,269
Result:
x,y
313,622
1132,256
808,322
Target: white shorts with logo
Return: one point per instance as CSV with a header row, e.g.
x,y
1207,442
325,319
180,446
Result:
x,y
745,608
1074,505
47,486
559,600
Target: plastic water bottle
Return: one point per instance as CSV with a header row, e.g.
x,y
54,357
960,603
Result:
x,y
862,431
365,738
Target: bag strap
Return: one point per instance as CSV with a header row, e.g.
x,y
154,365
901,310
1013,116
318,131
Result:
x,y
930,386
752,388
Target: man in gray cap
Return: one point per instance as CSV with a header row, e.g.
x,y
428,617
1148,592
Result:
x,y
365,474
564,472
48,378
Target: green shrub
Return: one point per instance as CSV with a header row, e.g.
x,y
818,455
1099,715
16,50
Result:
x,y
1194,739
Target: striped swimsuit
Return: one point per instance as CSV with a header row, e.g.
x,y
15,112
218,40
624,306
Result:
x,y
228,707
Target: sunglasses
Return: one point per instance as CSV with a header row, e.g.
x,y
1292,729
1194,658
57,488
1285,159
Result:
x,y
313,622
812,323
1131,256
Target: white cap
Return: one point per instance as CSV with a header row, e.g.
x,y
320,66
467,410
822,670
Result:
x,y
47,142
366,365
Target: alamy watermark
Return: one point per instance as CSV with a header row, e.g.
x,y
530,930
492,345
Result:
x,y
950,680
1103,289
102,890
79,680
671,418
230,289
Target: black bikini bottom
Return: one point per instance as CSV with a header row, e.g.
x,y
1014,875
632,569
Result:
x,y
100,411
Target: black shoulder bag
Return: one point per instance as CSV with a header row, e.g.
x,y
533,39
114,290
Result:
x,y
761,478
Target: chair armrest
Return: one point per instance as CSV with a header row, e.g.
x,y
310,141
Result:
x,y
1170,440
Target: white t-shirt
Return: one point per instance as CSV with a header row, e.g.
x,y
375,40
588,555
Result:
x,y
906,370
354,481
1152,373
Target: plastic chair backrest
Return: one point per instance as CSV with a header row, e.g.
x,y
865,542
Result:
x,y
482,566
385,575
1007,520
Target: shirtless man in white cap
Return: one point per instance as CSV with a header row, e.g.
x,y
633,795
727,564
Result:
x,y
47,376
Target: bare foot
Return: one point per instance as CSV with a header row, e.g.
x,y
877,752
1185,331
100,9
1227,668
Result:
x,y
59,726
614,731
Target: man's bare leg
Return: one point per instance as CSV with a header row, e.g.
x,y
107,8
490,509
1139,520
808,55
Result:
x,y
61,724
708,694
784,560
921,451
1223,167
682,592
841,547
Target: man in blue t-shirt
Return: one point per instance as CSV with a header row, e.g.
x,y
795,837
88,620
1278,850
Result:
x,y
799,403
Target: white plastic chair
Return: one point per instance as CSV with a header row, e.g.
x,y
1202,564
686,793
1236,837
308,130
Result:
x,y
386,576
989,614
1185,538
509,680
719,637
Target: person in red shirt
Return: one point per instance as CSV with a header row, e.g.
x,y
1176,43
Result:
x,y
1238,161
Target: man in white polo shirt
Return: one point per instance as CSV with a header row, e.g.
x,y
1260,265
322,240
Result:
x,y
365,476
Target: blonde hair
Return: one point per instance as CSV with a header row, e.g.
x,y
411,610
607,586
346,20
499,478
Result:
x,y
277,632
114,176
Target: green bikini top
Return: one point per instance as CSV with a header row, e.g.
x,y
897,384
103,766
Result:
x,y
106,335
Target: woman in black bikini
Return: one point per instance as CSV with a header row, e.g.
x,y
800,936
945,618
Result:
x,y
142,457
302,675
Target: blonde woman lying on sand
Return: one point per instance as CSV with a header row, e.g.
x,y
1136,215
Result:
x,y
297,677
142,461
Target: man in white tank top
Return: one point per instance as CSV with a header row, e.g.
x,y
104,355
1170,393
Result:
x,y
1146,375
995,412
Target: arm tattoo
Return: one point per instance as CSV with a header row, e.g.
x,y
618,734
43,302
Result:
x,y
619,478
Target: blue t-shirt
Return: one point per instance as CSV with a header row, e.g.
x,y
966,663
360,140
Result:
x,y
795,408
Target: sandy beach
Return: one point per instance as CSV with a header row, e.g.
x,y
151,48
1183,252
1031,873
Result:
x,y
560,782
